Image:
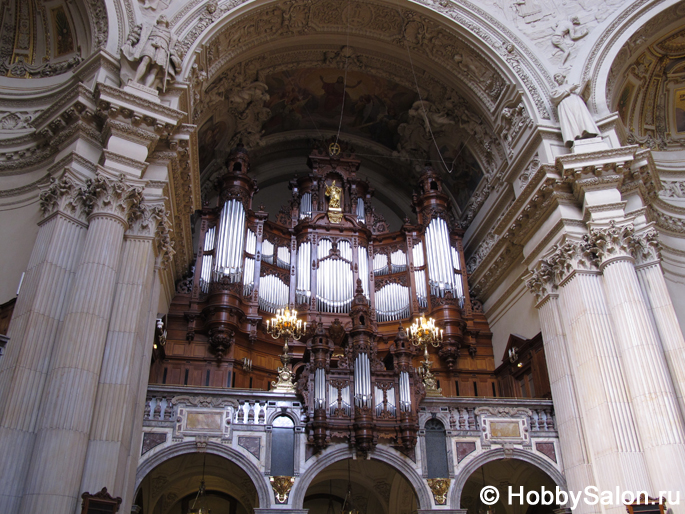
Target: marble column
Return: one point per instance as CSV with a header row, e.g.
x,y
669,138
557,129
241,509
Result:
x,y
66,411
115,405
607,415
164,253
651,277
574,449
36,321
646,373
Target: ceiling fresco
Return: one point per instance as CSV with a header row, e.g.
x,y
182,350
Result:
x,y
309,102
314,98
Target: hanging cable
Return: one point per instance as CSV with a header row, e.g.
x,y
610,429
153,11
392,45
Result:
x,y
449,169
344,91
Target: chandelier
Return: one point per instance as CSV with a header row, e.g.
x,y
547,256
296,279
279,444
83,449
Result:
x,y
424,333
286,325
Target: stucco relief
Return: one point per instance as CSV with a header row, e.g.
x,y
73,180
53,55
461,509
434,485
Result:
x,y
411,31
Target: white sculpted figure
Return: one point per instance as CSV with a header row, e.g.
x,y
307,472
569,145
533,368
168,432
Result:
x,y
566,33
574,117
152,48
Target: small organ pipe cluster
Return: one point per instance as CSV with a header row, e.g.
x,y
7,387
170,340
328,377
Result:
x,y
356,285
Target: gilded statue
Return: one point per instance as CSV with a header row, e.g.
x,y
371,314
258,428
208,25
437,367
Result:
x,y
335,197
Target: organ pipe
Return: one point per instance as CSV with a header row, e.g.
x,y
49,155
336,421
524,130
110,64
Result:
x,y
361,211
273,293
306,206
320,388
207,260
392,302
363,260
362,381
231,240
303,289
405,394
441,257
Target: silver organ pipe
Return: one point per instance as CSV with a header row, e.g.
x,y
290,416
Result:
x,y
273,293
334,278
388,404
392,302
303,291
405,397
268,251
248,276
440,256
420,275
362,381
344,400
455,259
206,274
363,259
283,257
398,261
231,240
320,388
361,211
380,264
250,250
306,206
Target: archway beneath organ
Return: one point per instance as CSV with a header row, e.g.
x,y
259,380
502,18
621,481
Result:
x,y
172,486
503,474
369,486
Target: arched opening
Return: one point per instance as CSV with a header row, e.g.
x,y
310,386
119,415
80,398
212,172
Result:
x,y
369,486
172,486
513,475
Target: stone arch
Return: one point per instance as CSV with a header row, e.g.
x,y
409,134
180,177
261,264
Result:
x,y
260,482
497,454
476,29
333,455
600,57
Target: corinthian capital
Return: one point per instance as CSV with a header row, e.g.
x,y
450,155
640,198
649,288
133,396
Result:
x,y
115,197
646,247
612,242
144,219
63,195
564,259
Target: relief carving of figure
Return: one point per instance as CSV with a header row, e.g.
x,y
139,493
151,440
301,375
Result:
x,y
574,117
150,49
247,105
566,33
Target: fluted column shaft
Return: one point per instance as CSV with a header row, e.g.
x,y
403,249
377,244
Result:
x,y
611,429
140,396
36,321
651,389
66,410
577,467
110,433
653,285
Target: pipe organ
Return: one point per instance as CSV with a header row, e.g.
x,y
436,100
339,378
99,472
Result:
x,y
328,256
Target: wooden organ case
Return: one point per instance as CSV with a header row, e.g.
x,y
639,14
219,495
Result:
x,y
329,255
